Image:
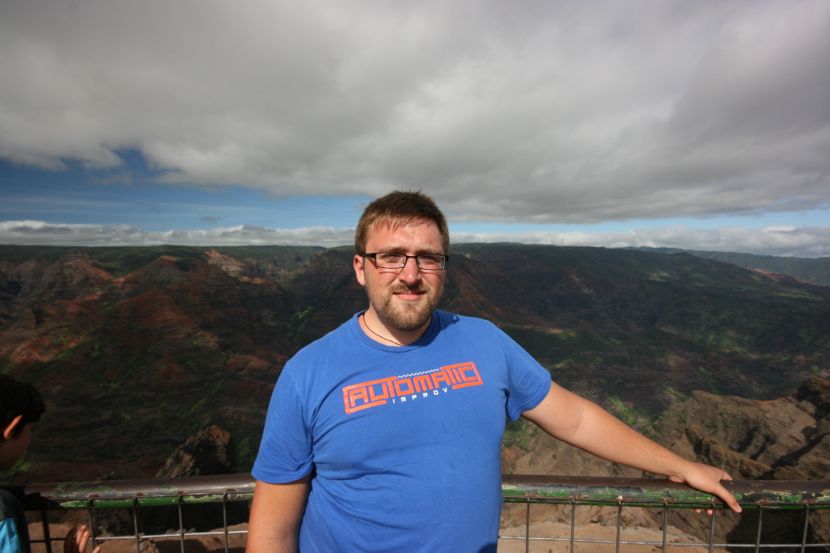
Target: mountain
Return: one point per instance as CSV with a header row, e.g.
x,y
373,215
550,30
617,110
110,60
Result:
x,y
813,270
782,438
138,349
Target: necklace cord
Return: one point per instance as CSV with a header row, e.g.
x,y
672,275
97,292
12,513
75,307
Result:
x,y
363,316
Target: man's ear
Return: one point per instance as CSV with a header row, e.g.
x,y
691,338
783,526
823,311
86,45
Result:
x,y
359,268
8,431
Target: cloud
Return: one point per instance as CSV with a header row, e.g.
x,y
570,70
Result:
x,y
41,233
792,242
537,111
787,241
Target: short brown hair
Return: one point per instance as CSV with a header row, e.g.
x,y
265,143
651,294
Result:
x,y
18,398
397,208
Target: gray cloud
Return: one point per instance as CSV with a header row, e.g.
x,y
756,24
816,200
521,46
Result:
x,y
532,111
788,241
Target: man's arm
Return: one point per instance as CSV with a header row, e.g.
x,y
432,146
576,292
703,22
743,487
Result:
x,y
582,423
276,512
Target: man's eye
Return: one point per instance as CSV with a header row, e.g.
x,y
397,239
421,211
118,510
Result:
x,y
390,258
431,259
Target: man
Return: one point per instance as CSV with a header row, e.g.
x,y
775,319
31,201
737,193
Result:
x,y
384,435
21,406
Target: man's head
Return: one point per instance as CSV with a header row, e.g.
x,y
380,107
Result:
x,y
410,229
399,208
20,406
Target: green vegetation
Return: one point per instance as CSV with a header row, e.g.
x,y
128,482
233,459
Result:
x,y
21,467
517,434
623,412
816,271
298,323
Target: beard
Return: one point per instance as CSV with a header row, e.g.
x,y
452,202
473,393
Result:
x,y
408,316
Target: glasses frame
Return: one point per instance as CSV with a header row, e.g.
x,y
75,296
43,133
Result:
x,y
374,257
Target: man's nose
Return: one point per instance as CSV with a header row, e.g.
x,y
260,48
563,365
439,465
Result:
x,y
410,271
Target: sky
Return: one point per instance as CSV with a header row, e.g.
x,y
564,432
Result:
x,y
692,124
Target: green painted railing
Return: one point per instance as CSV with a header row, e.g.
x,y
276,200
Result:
x,y
143,496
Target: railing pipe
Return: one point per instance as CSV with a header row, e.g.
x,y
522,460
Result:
x,y
515,488
648,492
761,495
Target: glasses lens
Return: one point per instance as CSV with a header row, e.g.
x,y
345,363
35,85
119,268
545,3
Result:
x,y
431,262
390,260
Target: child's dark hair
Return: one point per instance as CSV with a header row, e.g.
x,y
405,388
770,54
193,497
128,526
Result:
x,y
19,398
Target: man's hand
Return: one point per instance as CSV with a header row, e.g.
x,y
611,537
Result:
x,y
707,479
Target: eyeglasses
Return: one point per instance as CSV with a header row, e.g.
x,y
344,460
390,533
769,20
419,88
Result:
x,y
424,261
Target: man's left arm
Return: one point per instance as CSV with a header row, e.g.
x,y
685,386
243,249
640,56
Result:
x,y
584,424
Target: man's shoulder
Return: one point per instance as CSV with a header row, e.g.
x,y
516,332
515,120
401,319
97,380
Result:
x,y
457,322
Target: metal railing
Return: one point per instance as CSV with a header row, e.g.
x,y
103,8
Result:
x,y
139,511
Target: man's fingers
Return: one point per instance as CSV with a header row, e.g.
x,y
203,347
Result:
x,y
728,498
708,479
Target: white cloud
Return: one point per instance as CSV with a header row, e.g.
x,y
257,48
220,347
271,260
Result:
x,y
792,242
785,241
40,233
531,111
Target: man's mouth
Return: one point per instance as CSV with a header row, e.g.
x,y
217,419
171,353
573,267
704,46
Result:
x,y
408,294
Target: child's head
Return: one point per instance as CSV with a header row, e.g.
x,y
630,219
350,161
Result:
x,y
20,406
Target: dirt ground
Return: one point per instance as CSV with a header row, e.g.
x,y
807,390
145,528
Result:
x,y
559,531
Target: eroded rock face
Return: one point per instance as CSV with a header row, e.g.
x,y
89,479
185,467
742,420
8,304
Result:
x,y
783,439
208,452
754,439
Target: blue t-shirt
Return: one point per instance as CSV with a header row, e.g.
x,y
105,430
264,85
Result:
x,y
14,537
403,443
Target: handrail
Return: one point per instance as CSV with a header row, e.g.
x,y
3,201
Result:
x,y
515,488
650,492
114,494
755,496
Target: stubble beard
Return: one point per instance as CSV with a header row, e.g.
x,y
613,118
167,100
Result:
x,y
408,316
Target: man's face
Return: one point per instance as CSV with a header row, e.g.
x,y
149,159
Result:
x,y
402,299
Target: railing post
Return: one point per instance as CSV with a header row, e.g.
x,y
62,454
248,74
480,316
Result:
x,y
135,526
760,528
225,520
573,526
181,522
806,527
47,537
712,529
91,512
